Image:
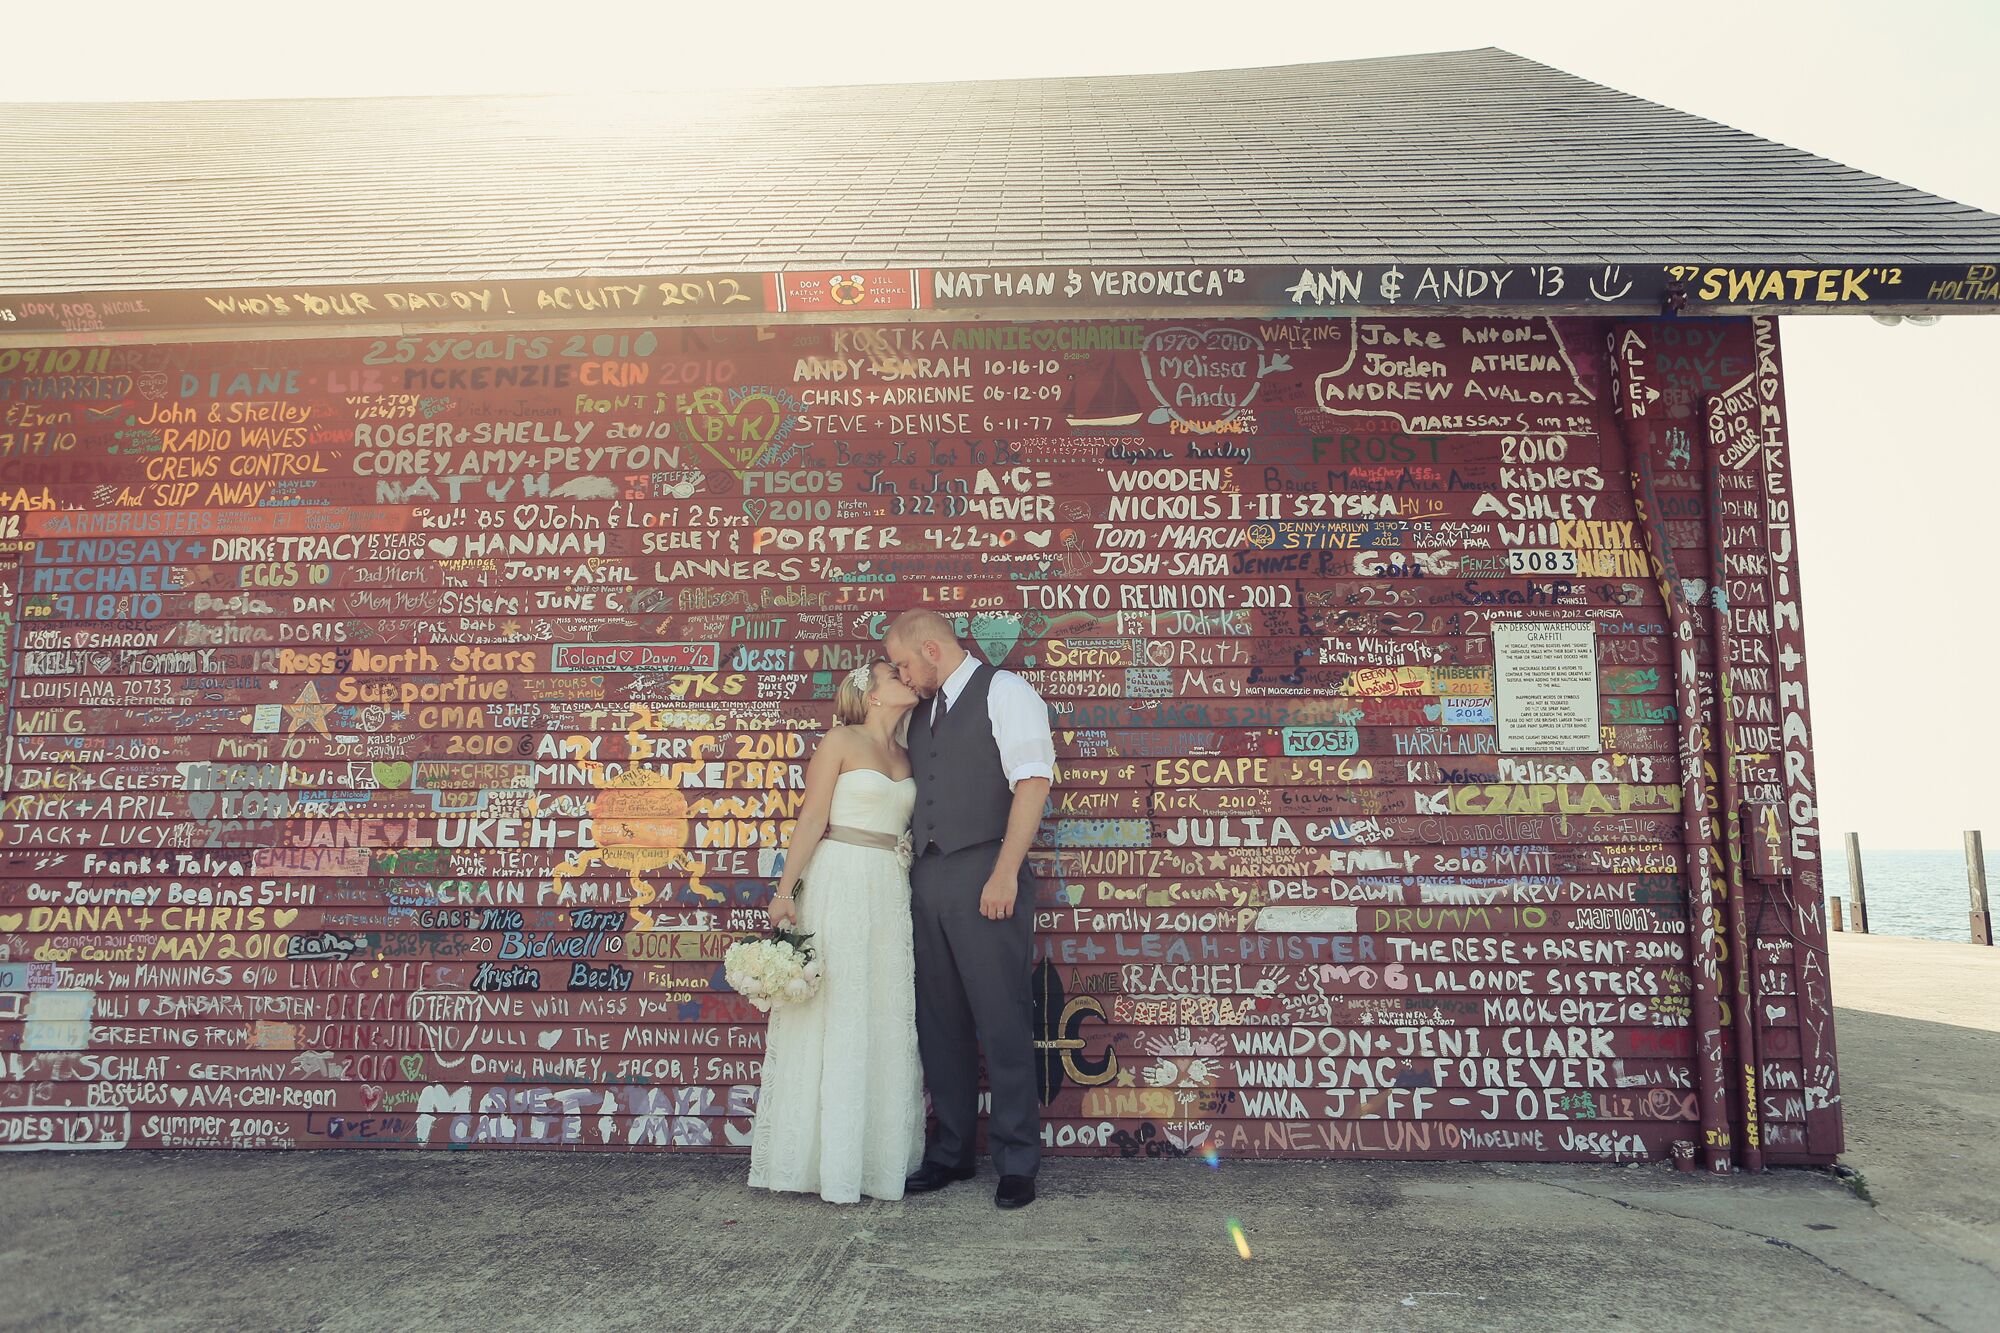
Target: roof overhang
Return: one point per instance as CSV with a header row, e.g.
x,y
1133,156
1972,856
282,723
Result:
x,y
1033,292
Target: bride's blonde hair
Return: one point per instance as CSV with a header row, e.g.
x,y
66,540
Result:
x,y
850,701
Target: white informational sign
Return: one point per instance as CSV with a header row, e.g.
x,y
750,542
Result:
x,y
1545,681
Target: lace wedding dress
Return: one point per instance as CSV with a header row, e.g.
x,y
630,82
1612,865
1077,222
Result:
x,y
840,1112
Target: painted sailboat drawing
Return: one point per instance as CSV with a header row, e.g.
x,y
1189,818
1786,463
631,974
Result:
x,y
1112,403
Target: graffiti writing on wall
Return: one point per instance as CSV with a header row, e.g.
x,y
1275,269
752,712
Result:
x,y
400,729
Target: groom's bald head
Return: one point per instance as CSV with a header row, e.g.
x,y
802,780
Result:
x,y
922,625
924,648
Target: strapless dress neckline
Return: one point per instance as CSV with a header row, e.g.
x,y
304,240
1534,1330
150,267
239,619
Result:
x,y
880,774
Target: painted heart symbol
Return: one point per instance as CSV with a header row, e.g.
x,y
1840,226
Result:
x,y
1203,375
444,547
1038,540
1069,737
811,656
284,916
756,508
392,776
179,1094
1073,894
735,434
144,1005
371,1095
1773,1012
413,1068
547,1040
201,803
10,922
996,636
1432,712
754,418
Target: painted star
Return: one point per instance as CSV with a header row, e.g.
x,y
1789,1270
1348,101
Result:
x,y
308,711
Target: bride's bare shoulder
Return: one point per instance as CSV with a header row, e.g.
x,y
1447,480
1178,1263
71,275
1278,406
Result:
x,y
841,743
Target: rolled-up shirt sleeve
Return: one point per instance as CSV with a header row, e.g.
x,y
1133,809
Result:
x,y
1021,729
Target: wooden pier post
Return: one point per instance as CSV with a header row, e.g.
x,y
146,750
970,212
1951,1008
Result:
x,y
1857,893
1833,913
1975,878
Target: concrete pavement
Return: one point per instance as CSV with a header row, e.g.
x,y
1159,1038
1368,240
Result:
x,y
1918,1027
355,1240
392,1240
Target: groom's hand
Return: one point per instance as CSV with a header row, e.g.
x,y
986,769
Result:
x,y
996,900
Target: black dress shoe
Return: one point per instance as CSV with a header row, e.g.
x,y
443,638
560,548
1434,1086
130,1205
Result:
x,y
1014,1192
931,1176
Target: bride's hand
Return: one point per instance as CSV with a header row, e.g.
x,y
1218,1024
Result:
x,y
784,913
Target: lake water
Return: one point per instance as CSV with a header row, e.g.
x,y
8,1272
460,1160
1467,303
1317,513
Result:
x,y
1920,893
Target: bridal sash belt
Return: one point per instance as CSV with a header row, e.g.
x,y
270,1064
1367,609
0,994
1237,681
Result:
x,y
861,837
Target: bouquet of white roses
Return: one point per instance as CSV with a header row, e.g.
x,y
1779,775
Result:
x,y
777,970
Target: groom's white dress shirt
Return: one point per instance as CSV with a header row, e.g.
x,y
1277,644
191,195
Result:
x,y
1019,718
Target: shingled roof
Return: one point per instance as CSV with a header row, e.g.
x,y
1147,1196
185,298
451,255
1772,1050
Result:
x,y
1467,157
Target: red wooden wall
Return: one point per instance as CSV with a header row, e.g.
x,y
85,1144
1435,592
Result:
x,y
399,730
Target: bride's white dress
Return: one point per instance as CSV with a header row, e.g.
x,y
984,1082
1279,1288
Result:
x,y
840,1112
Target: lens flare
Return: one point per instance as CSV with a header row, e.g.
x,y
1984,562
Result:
x,y
1242,1244
1213,1158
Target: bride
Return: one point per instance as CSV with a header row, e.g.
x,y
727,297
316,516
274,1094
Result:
x,y
840,1112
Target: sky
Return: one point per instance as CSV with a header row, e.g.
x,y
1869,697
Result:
x,y
1893,429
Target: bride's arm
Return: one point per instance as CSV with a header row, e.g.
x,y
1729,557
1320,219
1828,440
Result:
x,y
822,772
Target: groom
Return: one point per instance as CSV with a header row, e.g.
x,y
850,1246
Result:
x,y
983,758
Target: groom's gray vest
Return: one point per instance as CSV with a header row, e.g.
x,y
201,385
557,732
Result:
x,y
962,793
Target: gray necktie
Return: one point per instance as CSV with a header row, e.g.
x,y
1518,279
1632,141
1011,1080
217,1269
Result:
x,y
939,709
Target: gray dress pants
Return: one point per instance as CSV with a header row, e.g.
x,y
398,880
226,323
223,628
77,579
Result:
x,y
973,994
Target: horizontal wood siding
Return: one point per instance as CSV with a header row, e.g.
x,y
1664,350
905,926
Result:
x,y
400,730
